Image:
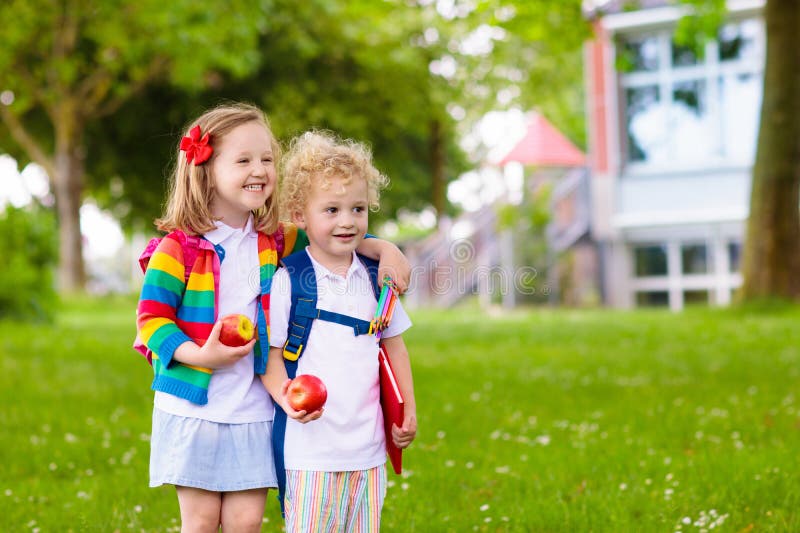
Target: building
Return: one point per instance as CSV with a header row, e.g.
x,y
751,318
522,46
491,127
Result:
x,y
672,139
478,255
550,161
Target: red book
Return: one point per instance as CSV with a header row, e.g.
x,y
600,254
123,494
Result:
x,y
392,406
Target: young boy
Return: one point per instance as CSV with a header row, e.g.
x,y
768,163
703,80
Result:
x,y
335,460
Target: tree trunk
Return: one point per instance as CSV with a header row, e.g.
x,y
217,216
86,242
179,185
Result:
x,y
437,160
772,244
68,187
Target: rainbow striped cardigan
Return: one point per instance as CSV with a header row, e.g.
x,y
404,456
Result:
x,y
173,309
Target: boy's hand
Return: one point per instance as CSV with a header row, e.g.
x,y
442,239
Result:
x,y
301,416
402,437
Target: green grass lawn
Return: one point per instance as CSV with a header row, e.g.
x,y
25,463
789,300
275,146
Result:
x,y
529,421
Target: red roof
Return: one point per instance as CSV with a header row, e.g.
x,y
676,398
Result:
x,y
543,145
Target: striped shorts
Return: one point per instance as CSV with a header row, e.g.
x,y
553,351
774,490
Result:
x,y
348,502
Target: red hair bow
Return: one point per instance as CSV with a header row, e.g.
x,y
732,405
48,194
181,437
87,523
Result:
x,y
196,149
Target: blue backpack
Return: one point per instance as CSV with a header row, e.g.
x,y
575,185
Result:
x,y
302,314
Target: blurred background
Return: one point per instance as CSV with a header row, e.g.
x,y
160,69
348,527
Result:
x,y
568,153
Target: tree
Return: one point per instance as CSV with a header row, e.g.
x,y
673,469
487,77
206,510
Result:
x,y
67,64
493,55
396,74
536,60
358,68
771,259
412,77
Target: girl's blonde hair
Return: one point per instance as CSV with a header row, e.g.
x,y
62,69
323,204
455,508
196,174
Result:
x,y
191,186
321,155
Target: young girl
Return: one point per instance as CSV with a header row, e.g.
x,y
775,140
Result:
x,y
212,417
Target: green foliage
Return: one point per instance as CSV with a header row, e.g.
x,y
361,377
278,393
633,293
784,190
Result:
x,y
360,68
540,59
66,64
528,224
344,66
700,25
134,151
28,240
102,52
599,421
70,63
508,216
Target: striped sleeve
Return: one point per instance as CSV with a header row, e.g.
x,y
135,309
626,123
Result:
x,y
161,296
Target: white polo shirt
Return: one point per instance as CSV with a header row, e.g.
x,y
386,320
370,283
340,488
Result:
x,y
235,394
349,435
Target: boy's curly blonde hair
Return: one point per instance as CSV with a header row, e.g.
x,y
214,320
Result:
x,y
322,155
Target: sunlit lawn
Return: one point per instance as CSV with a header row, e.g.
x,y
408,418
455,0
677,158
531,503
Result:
x,y
529,421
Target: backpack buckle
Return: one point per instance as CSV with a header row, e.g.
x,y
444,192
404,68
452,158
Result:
x,y
289,355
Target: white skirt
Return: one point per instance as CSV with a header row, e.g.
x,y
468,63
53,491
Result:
x,y
191,452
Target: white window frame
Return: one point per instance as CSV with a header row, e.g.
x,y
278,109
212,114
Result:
x,y
719,282
708,70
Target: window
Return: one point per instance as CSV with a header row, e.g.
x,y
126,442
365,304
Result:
x,y
639,54
692,135
739,121
739,41
682,109
652,299
643,111
683,56
650,260
695,298
735,256
694,259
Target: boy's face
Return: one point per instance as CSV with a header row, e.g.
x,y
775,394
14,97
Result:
x,y
335,219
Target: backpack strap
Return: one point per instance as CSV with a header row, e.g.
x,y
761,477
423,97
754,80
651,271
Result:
x,y
372,269
191,249
303,307
280,240
304,294
304,304
147,253
190,245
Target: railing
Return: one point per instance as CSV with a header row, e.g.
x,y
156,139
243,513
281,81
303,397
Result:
x,y
453,262
571,210
470,256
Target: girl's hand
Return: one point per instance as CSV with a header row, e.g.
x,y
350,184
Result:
x,y
402,437
395,265
213,354
301,416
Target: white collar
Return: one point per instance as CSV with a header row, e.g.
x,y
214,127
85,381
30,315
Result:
x,y
223,231
356,268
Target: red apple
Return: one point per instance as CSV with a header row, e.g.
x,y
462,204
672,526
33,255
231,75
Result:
x,y
307,393
237,330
